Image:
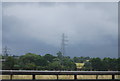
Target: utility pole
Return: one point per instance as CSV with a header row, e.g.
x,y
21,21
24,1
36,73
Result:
x,y
63,44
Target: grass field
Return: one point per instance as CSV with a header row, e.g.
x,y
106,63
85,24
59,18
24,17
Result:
x,y
79,65
60,77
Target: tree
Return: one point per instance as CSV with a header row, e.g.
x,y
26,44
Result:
x,y
30,66
80,59
76,59
59,55
106,64
54,66
49,57
68,64
9,63
96,64
31,59
113,64
118,64
87,66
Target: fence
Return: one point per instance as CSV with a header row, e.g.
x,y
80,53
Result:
x,y
58,73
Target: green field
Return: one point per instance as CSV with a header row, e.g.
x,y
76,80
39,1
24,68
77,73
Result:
x,y
79,65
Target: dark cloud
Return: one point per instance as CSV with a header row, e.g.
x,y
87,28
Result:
x,y
91,27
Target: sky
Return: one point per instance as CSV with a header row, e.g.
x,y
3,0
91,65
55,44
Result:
x,y
91,28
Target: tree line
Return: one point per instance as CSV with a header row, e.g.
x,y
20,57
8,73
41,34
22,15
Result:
x,y
31,61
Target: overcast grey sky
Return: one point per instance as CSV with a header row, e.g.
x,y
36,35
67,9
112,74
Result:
x,y
90,27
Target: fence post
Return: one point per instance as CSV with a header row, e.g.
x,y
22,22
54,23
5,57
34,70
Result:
x,y
96,76
33,77
57,77
75,77
113,77
11,77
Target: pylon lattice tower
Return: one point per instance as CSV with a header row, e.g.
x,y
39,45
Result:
x,y
5,51
63,44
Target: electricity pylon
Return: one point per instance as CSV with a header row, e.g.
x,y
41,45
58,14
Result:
x,y
63,44
5,51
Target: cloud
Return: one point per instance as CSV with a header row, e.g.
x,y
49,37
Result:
x,y
83,23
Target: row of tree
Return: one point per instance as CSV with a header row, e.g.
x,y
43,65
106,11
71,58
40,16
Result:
x,y
32,61
105,64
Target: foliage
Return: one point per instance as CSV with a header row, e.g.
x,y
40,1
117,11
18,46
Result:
x,y
31,61
105,64
80,59
54,66
49,57
9,63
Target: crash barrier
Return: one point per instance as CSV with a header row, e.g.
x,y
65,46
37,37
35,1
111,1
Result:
x,y
58,73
